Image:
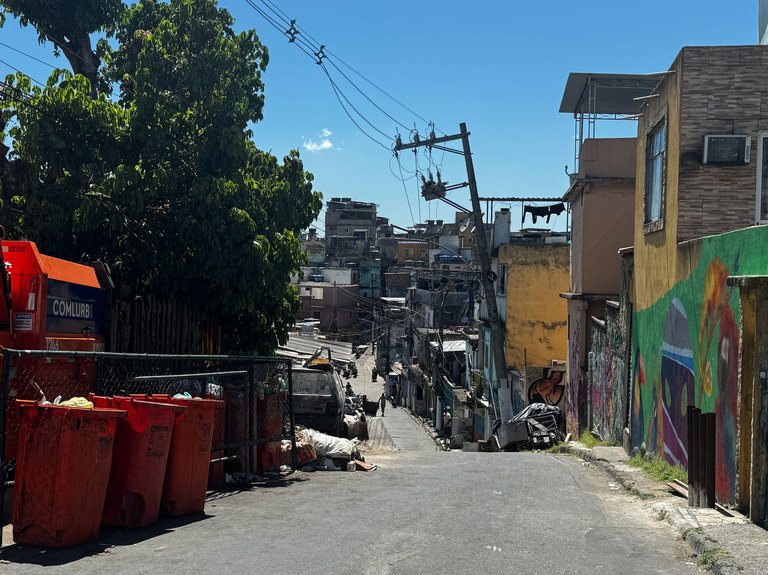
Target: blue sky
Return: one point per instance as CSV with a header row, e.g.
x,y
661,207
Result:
x,y
499,66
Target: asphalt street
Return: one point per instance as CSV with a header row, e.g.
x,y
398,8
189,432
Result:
x,y
420,512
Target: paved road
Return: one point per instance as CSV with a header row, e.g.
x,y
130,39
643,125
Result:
x,y
397,429
420,512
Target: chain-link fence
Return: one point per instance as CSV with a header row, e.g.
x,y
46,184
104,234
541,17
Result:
x,y
249,428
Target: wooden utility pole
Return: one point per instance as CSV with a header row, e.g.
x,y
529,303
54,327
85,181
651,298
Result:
x,y
484,254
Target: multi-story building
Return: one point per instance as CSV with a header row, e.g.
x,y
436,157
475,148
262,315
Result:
x,y
314,247
600,197
702,185
534,271
334,305
350,228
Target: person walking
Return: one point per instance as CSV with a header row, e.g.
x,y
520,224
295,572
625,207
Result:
x,y
382,403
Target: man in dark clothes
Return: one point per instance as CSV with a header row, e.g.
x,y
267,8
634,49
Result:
x,y
382,403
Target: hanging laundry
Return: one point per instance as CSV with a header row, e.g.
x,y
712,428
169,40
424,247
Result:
x,y
536,212
543,211
556,209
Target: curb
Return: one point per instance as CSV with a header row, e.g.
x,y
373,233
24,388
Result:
x,y
710,555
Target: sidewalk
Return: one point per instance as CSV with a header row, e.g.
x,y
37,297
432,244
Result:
x,y
724,544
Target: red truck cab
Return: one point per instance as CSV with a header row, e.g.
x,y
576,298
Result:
x,y
50,303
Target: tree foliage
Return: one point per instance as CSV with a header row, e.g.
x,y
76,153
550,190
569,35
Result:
x,y
149,163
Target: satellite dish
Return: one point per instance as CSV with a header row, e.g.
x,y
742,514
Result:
x,y
492,276
464,225
464,320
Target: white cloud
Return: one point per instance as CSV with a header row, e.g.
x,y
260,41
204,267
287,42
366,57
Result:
x,y
312,146
323,143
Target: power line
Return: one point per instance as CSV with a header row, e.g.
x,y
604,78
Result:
x,y
336,92
296,36
343,63
28,55
405,190
20,72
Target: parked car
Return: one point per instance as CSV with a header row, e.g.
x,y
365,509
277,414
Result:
x,y
318,398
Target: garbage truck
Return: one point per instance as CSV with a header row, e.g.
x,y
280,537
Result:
x,y
49,304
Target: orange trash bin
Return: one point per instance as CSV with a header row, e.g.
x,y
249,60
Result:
x,y
62,469
186,477
142,442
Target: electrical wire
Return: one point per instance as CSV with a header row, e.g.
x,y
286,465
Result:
x,y
316,57
339,96
20,72
333,56
405,191
28,55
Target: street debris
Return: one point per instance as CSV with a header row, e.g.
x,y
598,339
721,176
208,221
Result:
x,y
538,425
331,453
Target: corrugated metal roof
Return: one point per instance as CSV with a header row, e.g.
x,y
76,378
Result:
x,y
301,346
452,346
611,93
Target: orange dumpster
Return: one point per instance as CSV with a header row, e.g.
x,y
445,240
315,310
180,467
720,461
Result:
x,y
142,441
62,469
186,478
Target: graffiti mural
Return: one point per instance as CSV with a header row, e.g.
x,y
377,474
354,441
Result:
x,y
576,389
608,374
685,348
677,377
549,388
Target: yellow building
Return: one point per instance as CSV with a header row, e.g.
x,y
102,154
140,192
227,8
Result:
x,y
536,315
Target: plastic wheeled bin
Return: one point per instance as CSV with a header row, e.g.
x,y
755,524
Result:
x,y
186,477
142,442
62,469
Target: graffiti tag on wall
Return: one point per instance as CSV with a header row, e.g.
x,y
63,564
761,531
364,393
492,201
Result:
x,y
547,385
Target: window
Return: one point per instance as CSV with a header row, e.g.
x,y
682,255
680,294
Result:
x,y
655,165
761,207
501,281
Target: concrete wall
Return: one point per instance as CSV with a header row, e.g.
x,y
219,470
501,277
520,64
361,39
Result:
x,y
603,221
607,158
656,250
536,314
580,312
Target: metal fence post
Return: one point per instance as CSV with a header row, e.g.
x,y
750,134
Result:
x,y
251,404
709,467
693,456
294,454
3,433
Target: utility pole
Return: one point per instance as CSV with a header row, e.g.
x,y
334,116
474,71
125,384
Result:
x,y
484,254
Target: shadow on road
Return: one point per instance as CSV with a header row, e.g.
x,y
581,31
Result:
x,y
110,537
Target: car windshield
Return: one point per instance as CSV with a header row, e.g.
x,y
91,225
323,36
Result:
x,y
312,382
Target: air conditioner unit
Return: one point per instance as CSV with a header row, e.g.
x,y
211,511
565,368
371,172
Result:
x,y
727,150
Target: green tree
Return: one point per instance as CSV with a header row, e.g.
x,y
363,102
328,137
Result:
x,y
163,181
68,24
